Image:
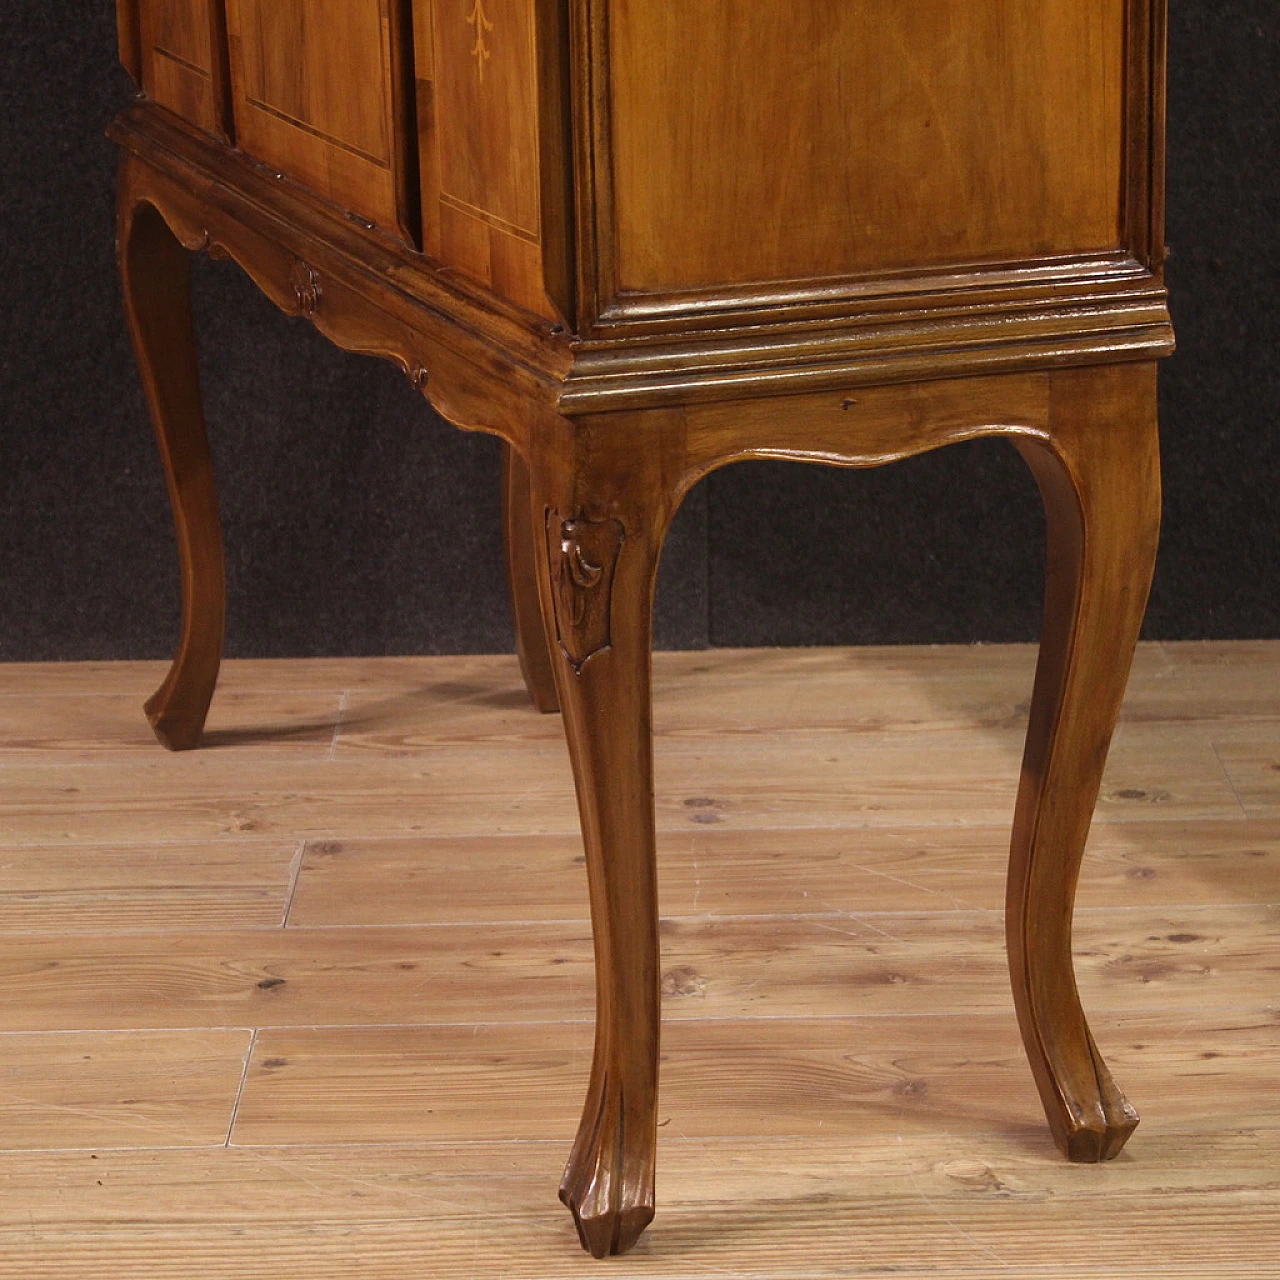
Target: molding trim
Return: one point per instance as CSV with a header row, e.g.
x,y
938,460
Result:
x,y
1005,318
487,364
483,363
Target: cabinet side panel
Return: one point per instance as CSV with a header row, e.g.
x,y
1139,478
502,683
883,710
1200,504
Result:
x,y
130,38
479,111
316,96
754,141
180,53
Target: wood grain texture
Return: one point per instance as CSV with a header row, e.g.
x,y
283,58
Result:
x,y
61,889
31,726
821,1079
441,1185
486,100
597,572
182,57
825,330
397,305
1181,1235
794,175
838,780
835,1101
874,137
318,95
713,870
131,1089
1251,759
759,967
402,705
1194,681
1090,437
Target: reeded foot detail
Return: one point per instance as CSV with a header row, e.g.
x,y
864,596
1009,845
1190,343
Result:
x,y
608,1184
1089,1132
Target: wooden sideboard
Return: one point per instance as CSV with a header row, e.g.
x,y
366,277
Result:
x,y
640,240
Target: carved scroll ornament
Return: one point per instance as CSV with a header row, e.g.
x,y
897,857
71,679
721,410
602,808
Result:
x,y
306,287
584,555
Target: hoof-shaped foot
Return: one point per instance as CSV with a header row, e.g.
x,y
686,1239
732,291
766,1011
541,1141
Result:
x,y
608,1184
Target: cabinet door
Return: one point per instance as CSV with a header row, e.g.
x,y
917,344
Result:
x,y
181,46
488,86
319,93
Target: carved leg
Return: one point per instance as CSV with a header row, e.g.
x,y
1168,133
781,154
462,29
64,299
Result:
x,y
156,274
1100,479
599,561
522,576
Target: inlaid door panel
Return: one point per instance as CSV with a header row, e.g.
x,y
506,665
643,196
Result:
x,y
318,94
754,141
182,50
478,85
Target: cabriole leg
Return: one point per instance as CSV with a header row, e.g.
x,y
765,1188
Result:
x,y
156,274
522,576
599,558
1100,479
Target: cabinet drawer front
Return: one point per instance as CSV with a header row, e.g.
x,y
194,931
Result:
x,y
183,54
317,94
755,141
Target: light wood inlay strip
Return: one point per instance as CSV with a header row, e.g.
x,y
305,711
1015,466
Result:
x,y
202,72
492,219
380,162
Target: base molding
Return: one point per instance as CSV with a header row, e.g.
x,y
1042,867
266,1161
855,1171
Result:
x,y
483,361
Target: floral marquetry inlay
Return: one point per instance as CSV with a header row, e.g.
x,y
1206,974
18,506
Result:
x,y
480,50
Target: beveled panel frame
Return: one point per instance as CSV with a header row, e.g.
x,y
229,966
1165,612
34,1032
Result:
x,y
606,313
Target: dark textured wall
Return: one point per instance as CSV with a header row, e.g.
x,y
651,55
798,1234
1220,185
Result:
x,y
358,523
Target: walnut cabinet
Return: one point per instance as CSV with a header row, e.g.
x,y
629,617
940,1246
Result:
x,y
639,240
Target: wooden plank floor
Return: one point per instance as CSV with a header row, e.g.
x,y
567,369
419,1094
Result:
x,y
315,1001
